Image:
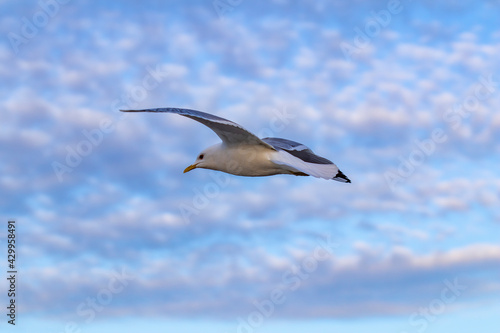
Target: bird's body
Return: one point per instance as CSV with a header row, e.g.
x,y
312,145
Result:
x,y
242,153
243,160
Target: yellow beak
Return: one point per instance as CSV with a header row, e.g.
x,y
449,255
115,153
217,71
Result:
x,y
189,168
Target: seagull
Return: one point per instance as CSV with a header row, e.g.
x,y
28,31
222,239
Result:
x,y
242,153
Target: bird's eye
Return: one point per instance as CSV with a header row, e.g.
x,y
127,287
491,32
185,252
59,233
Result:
x,y
201,156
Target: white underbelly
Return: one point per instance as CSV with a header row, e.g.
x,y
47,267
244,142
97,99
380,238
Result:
x,y
251,161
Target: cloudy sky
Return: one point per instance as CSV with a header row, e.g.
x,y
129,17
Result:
x,y
113,237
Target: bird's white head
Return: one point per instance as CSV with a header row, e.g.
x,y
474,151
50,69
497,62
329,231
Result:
x,y
210,158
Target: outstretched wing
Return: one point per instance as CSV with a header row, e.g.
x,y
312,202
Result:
x,y
300,157
229,132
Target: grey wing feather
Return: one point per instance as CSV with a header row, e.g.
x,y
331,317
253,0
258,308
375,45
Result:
x,y
229,132
305,154
297,149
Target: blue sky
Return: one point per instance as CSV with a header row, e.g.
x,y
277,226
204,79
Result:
x,y
112,236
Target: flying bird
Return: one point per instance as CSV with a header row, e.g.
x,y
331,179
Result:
x,y
242,153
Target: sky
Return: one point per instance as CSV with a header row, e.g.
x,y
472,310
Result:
x,y
111,236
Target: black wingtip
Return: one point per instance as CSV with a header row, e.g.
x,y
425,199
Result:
x,y
341,177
